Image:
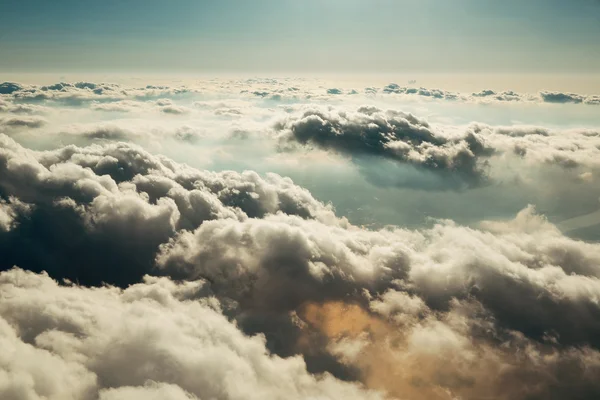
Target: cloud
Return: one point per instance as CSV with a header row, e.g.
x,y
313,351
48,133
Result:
x,y
261,290
569,149
152,340
123,106
134,131
457,163
150,391
22,122
391,135
559,97
282,265
320,261
79,93
513,267
443,157
491,95
393,88
499,96
9,107
9,87
119,197
9,210
459,353
476,298
166,106
271,90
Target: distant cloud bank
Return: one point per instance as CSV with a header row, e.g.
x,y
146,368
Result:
x,y
271,89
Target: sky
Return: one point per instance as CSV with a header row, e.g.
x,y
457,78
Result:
x,y
553,36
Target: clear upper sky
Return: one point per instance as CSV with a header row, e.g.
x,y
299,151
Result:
x,y
560,36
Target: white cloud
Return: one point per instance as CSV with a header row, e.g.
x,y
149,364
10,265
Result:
x,y
261,290
72,342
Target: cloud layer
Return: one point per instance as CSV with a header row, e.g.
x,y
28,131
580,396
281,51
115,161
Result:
x,y
461,157
156,339
513,302
268,89
392,135
125,274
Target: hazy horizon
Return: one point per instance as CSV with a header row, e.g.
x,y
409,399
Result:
x,y
547,36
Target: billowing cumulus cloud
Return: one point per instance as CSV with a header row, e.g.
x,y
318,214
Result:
x,y
156,339
525,261
393,88
165,281
525,160
9,210
283,265
393,135
567,149
120,197
9,87
515,293
559,97
462,156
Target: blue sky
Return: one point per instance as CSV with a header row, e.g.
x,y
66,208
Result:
x,y
301,36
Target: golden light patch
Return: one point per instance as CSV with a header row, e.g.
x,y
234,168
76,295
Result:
x,y
425,360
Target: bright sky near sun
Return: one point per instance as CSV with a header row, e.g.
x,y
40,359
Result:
x,y
551,36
